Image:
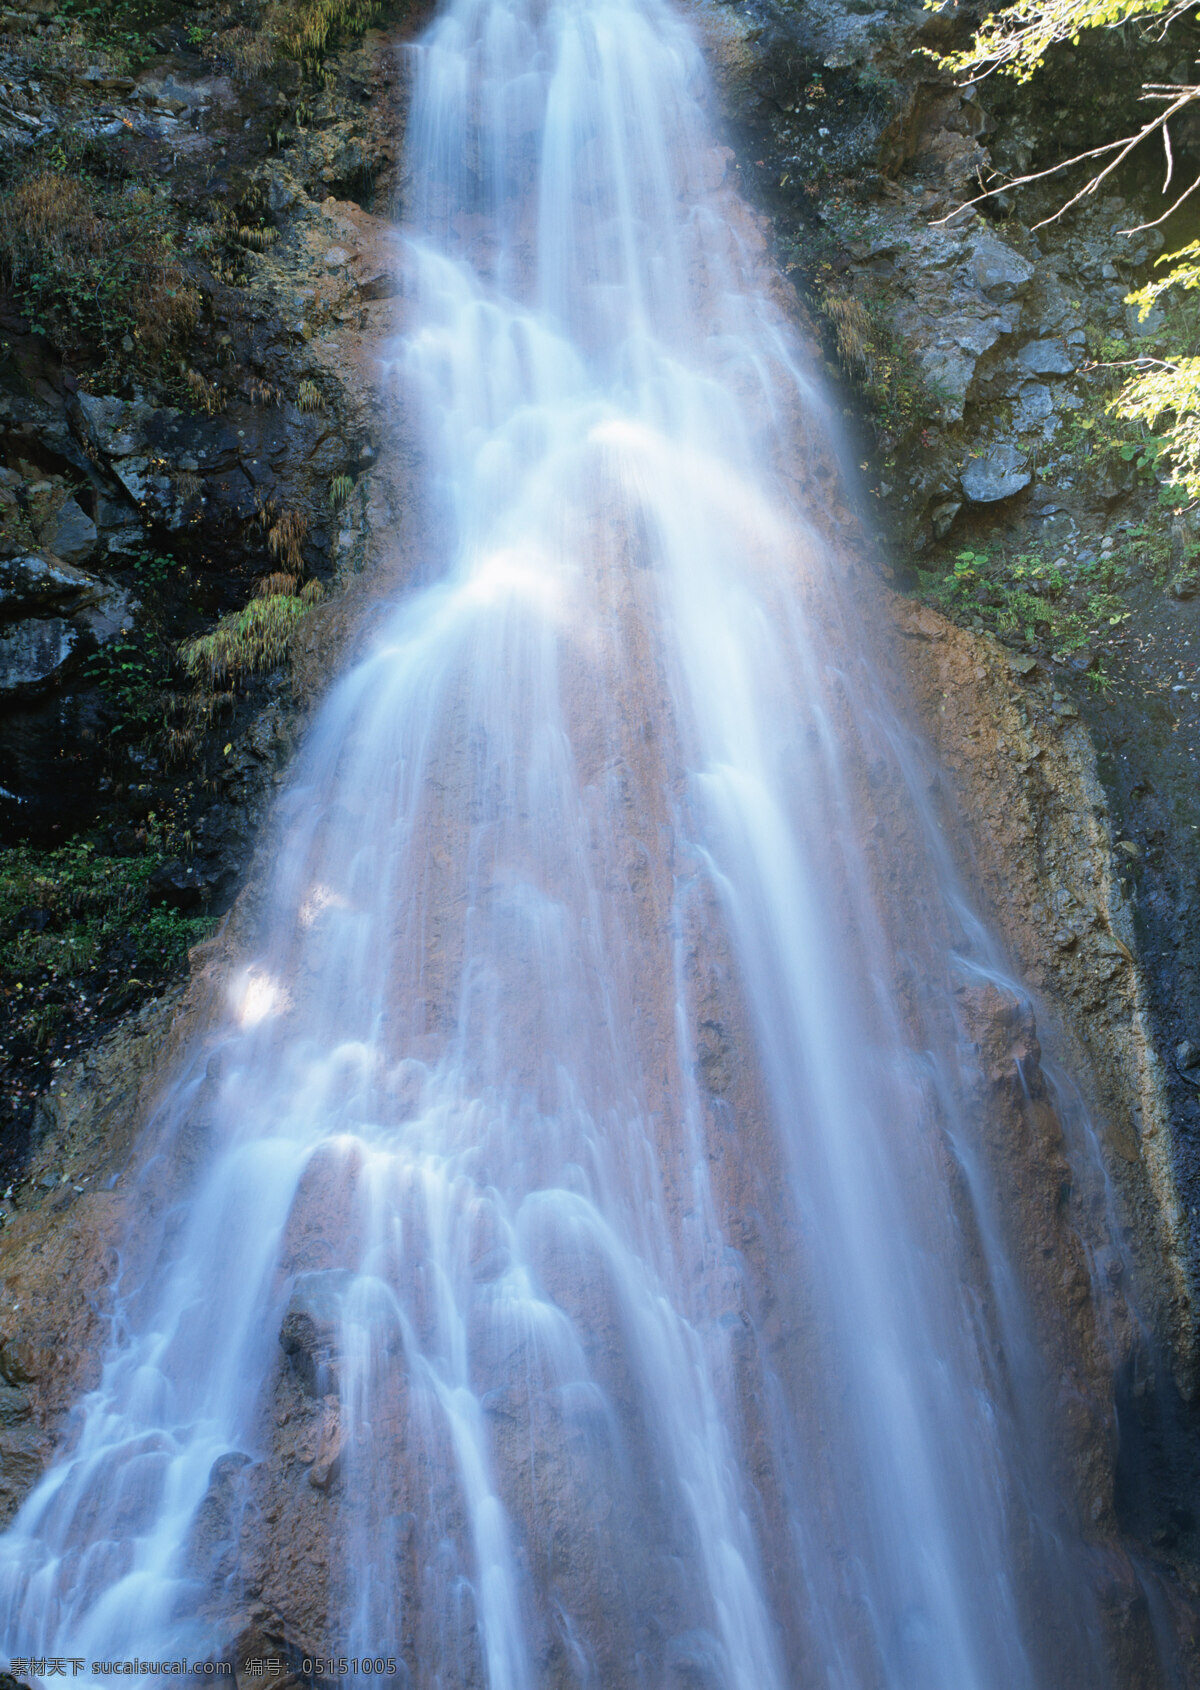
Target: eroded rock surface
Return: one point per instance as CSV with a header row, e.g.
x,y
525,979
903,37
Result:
x,y
1044,855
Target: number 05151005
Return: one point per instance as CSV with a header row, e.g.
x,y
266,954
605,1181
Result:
x,y
344,1666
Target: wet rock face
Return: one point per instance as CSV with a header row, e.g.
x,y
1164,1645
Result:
x,y
73,534
1056,883
214,474
35,582
24,1447
310,1328
157,455
40,650
35,651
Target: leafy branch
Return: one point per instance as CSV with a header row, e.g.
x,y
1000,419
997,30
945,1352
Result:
x,y
1014,42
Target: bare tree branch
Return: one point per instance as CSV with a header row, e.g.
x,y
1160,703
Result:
x,y
1139,228
1179,95
1165,23
1021,181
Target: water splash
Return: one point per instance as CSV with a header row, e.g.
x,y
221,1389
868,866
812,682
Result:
x,y
591,1121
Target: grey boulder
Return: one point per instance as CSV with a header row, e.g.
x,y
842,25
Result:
x,y
997,475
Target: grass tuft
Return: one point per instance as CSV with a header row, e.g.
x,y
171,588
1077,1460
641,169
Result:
x,y
285,538
254,640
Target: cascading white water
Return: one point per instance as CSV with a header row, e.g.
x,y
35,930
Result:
x,y
597,1088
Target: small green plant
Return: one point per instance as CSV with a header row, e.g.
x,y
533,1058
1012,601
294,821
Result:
x,y
131,671
309,396
901,397
1022,598
254,640
340,489
156,569
1099,440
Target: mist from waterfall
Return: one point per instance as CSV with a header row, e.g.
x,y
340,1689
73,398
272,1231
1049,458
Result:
x,y
596,1091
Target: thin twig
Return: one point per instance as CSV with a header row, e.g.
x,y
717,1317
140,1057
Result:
x,y
1140,227
1035,176
1166,134
1144,361
1122,148
1165,23
1133,142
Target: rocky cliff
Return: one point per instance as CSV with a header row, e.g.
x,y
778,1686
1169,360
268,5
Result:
x,y
199,286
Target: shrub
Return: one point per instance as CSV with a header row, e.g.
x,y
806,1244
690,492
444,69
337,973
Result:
x,y
95,270
253,640
304,29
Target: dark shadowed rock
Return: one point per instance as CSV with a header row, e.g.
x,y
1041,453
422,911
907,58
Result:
x,y
157,452
942,517
72,533
33,582
178,886
311,1326
35,651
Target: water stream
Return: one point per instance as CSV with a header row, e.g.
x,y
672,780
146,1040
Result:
x,y
594,1119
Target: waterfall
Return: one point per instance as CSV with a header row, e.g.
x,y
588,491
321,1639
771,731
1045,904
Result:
x,y
594,1120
